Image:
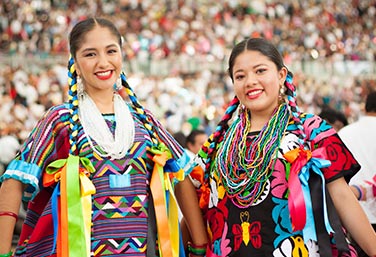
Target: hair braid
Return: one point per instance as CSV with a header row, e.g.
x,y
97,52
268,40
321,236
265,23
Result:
x,y
209,147
140,111
73,105
291,97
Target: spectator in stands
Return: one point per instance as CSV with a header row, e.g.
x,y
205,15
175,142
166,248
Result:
x,y
335,118
162,41
98,148
360,138
180,138
195,140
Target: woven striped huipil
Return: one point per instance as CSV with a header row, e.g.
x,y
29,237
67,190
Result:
x,y
120,204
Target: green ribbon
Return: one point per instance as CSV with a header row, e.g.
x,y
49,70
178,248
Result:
x,y
76,225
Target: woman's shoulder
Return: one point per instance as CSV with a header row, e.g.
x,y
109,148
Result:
x,y
59,112
315,127
310,120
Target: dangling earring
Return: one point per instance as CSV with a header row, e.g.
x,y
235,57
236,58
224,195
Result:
x,y
281,98
80,86
241,109
118,85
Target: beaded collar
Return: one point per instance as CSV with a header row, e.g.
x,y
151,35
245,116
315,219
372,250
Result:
x,y
243,167
96,129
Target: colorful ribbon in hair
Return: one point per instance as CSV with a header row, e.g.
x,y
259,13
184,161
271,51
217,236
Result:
x,y
165,204
299,201
71,205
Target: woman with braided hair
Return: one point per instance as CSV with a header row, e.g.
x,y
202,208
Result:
x,y
273,181
102,176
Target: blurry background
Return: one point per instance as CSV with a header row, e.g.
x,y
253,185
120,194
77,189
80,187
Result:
x,y
176,55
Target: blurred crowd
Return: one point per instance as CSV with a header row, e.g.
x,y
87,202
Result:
x,y
182,93
305,29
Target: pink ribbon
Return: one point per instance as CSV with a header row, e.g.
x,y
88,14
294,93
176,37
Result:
x,y
298,158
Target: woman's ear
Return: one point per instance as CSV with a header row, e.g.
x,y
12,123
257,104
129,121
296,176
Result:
x,y
282,75
78,71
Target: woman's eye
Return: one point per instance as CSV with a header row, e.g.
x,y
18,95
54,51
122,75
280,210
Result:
x,y
111,51
89,54
239,77
260,71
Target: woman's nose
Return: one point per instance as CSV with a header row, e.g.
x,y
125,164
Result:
x,y
251,79
102,60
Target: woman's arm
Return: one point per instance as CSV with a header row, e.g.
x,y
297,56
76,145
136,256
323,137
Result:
x,y
188,202
10,201
352,215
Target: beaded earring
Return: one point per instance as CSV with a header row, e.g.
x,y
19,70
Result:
x,y
80,86
281,96
118,85
241,109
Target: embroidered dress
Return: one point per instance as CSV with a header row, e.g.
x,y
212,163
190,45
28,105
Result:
x,y
264,228
121,202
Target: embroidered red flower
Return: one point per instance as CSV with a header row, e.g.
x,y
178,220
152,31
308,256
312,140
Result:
x,y
339,156
217,216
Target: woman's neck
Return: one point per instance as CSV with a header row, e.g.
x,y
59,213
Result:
x,y
104,102
258,124
258,121
262,117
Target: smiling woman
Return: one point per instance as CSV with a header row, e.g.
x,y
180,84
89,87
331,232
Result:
x,y
93,168
254,84
99,65
273,181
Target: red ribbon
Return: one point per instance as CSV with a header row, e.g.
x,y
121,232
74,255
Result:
x,y
298,157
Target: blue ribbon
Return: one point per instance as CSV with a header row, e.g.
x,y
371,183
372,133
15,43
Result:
x,y
314,164
171,166
55,213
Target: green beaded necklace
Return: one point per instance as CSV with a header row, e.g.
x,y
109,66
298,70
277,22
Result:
x,y
244,169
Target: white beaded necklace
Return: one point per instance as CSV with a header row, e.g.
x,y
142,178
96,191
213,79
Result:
x,y
95,127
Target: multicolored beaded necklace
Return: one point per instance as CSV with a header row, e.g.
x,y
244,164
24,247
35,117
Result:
x,y
245,169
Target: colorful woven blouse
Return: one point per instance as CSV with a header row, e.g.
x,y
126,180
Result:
x,y
120,214
264,228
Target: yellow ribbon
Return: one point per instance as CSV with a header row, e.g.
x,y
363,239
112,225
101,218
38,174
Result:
x,y
165,204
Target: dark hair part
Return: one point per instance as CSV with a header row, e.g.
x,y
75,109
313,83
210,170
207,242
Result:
x,y
371,102
255,44
83,27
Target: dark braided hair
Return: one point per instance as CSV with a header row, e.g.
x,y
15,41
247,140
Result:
x,y
269,50
295,112
217,137
75,41
73,106
140,111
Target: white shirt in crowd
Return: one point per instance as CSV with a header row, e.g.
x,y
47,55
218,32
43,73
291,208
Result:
x,y
360,138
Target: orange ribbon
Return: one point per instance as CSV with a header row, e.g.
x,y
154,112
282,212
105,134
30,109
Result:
x,y
73,211
298,157
165,204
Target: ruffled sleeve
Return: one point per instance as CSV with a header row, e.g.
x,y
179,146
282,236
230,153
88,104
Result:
x,y
48,141
321,134
178,152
